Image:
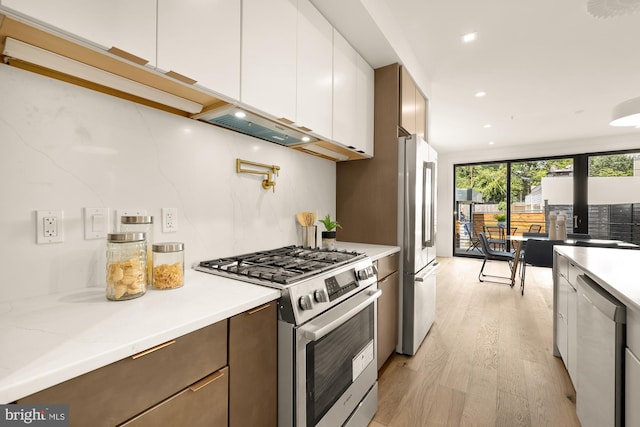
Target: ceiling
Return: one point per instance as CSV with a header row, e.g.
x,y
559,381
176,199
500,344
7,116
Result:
x,y
551,71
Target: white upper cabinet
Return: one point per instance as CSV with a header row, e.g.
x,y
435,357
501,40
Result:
x,y
127,25
344,91
315,70
353,91
364,105
268,75
201,40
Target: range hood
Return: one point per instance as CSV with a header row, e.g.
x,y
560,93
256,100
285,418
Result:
x,y
248,123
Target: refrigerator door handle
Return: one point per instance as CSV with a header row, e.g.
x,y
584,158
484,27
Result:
x,y
426,272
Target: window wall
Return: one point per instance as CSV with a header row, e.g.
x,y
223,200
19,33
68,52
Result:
x,y
599,194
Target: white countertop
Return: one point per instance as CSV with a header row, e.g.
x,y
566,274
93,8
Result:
x,y
50,339
613,269
373,251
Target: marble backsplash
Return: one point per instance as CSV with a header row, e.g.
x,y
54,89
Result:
x,y
66,148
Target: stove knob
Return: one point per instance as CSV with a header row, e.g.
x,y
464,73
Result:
x,y
365,273
320,296
305,302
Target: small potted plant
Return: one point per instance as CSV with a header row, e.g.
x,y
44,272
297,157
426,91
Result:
x,y
502,219
329,236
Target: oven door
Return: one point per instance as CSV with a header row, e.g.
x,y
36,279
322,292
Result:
x,y
336,362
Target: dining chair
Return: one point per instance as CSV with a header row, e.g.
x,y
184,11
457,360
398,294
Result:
x,y
534,228
474,242
494,255
538,253
495,236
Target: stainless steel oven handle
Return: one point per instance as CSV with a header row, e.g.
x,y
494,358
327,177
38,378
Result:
x,y
313,330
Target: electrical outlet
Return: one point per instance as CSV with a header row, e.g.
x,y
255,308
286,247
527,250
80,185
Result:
x,y
49,227
169,220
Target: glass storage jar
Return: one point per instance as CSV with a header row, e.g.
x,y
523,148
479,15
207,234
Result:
x,y
126,266
168,265
140,224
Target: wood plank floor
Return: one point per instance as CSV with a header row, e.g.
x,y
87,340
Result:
x,y
487,360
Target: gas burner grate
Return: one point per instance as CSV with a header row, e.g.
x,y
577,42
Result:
x,y
284,265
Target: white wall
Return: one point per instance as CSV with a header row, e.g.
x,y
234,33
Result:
x,y
446,160
65,147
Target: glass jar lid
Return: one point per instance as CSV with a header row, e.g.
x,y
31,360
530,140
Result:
x,y
136,219
168,247
125,237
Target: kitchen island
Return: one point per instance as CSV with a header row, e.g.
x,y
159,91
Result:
x,y
584,326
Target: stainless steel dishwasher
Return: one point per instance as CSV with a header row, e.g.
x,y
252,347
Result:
x,y
601,340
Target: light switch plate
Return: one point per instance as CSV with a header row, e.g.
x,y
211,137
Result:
x,y
49,227
95,223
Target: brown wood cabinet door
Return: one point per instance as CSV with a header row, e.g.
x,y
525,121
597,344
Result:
x,y
202,404
253,367
407,102
117,392
421,115
387,317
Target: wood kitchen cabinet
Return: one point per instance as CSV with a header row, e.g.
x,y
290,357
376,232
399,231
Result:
x,y
268,74
126,25
183,373
367,190
413,106
388,282
253,365
201,40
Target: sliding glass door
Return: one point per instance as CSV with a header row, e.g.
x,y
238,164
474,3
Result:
x,y
599,195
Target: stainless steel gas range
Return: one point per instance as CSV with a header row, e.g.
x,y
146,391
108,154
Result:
x,y
327,331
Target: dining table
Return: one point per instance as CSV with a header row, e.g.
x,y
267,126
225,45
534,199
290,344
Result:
x,y
518,241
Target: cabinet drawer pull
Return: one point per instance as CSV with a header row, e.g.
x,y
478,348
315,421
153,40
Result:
x,y
257,309
206,381
128,56
152,349
180,77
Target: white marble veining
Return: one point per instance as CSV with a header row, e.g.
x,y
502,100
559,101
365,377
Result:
x,y
613,269
49,339
66,147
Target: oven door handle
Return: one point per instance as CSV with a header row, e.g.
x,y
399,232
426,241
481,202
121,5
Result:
x,y
316,329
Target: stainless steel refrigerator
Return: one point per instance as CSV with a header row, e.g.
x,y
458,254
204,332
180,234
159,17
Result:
x,y
417,163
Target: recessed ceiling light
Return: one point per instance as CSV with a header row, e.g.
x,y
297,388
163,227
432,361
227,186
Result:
x,y
491,142
467,38
480,94
240,114
487,126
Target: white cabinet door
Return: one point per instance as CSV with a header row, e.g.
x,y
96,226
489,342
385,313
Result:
x,y
268,75
127,25
364,105
201,40
632,389
344,91
561,333
315,70
572,332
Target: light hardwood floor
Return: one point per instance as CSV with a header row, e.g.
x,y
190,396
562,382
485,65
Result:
x,y
487,360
